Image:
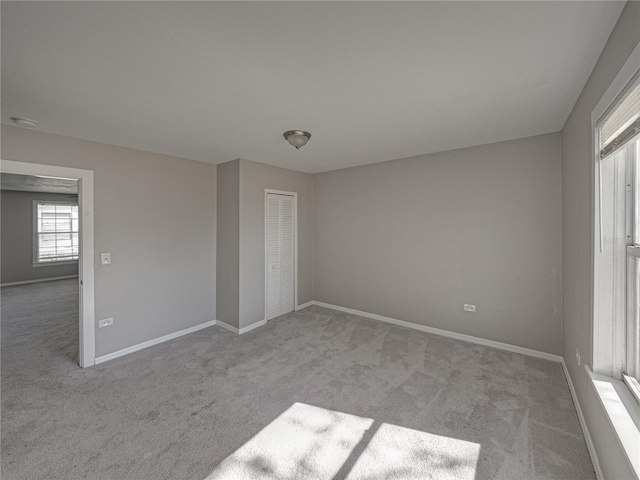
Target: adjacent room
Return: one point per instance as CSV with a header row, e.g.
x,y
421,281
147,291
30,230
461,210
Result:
x,y
320,240
39,277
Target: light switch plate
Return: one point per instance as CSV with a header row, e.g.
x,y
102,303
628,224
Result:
x,y
105,258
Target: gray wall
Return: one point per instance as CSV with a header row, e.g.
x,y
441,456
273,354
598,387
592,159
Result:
x,y
577,214
17,239
414,239
156,215
254,179
228,244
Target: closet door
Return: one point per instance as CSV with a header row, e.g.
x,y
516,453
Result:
x,y
280,253
273,255
287,256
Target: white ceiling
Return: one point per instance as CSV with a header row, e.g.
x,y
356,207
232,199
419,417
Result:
x,y
371,81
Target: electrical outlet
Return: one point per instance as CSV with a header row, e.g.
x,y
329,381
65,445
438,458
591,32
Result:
x,y
577,356
105,322
105,258
469,308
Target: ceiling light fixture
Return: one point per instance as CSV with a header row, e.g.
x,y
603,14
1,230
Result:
x,y
24,122
297,138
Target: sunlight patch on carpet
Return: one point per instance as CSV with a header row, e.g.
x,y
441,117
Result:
x,y
315,443
402,453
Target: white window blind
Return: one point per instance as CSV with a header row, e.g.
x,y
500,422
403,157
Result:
x,y
622,122
56,230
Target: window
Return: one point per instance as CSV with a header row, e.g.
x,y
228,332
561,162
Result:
x,y
617,272
55,232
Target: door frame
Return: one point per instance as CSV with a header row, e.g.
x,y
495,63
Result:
x,y
87,331
268,192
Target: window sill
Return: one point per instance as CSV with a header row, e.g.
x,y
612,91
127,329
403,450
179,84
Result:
x,y
623,412
55,264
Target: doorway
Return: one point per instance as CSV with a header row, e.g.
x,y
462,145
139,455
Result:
x,y
281,238
85,270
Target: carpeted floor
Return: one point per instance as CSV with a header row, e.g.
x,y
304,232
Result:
x,y
316,394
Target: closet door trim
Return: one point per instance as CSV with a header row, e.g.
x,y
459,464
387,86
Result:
x,y
295,244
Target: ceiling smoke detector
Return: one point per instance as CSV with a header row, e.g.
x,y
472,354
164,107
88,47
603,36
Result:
x,y
24,122
297,138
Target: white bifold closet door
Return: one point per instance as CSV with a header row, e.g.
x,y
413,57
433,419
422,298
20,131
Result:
x,y
280,255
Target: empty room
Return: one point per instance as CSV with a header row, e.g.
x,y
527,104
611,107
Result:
x,y
320,240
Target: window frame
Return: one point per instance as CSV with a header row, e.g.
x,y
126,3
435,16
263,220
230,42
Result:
x,y
620,405
36,234
629,362
607,335
633,386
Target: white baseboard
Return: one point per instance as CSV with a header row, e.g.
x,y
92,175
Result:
x,y
446,333
257,324
242,330
304,305
583,425
38,280
155,341
231,328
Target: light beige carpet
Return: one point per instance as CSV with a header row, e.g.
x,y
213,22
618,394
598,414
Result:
x,y
315,394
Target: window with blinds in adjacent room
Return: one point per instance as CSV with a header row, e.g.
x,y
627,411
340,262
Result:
x,y
55,232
